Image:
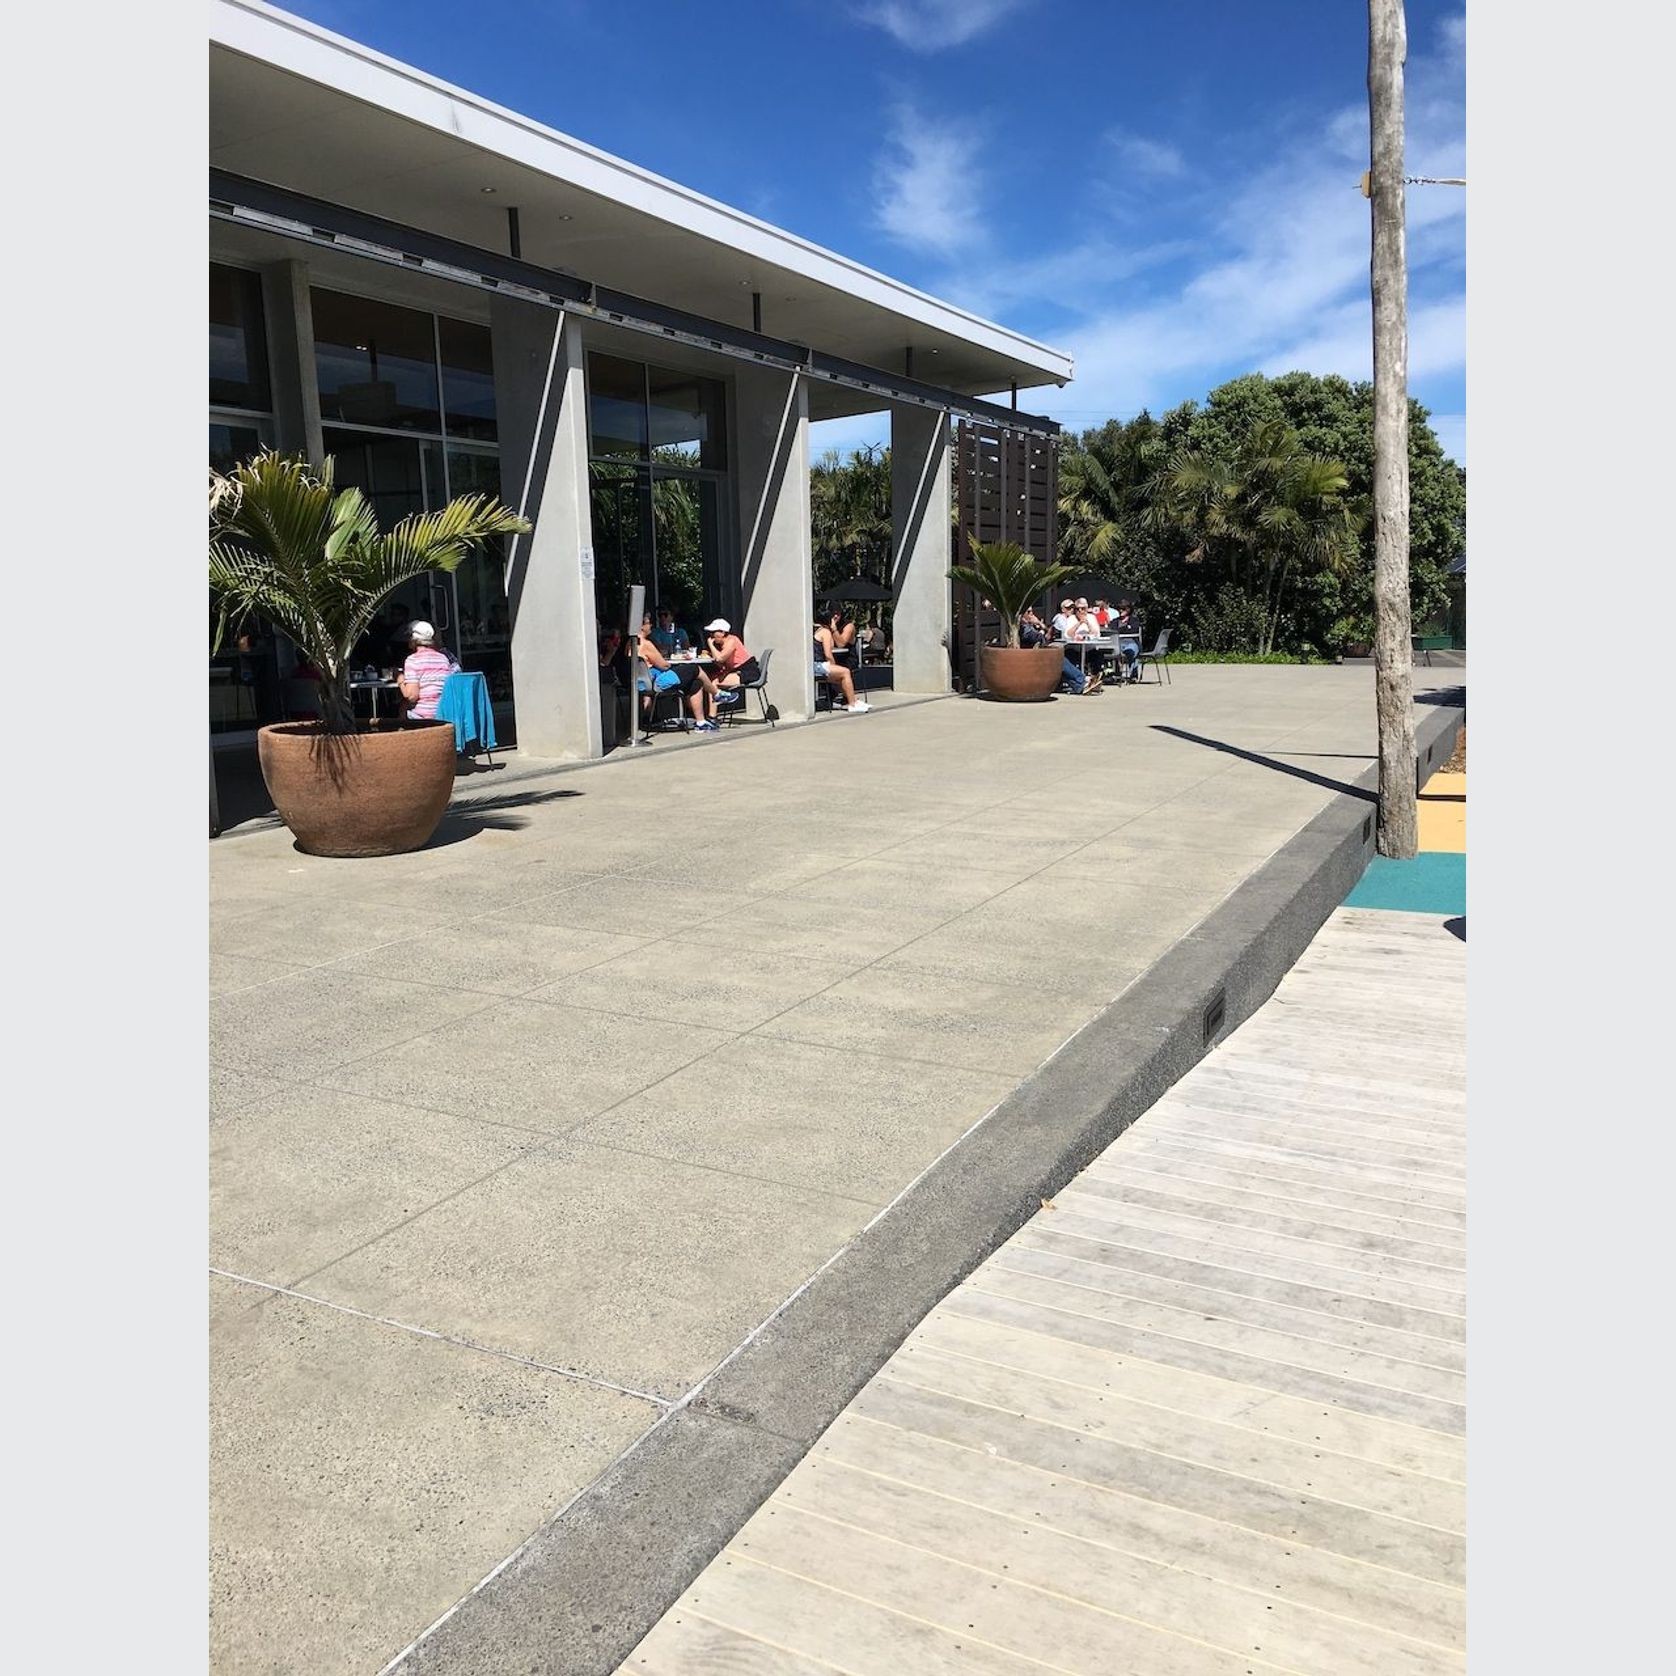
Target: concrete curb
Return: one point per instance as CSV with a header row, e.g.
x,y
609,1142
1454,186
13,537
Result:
x,y
578,1597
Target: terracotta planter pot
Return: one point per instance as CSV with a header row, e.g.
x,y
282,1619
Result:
x,y
378,793
1022,674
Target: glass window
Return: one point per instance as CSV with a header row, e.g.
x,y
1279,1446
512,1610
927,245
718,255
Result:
x,y
238,345
617,407
686,419
230,445
468,379
376,363
390,471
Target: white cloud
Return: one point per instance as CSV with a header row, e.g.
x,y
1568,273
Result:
x,y
927,185
1286,283
1149,159
931,25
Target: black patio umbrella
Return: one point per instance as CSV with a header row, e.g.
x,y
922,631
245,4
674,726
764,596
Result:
x,y
1091,587
857,590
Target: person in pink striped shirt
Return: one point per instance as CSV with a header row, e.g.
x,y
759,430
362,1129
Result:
x,y
426,668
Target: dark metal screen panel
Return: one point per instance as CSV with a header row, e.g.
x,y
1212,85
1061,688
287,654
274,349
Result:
x,y
1006,488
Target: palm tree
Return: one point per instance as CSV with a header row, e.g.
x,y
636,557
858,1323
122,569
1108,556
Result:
x,y
1104,479
1008,578
287,547
1269,512
849,515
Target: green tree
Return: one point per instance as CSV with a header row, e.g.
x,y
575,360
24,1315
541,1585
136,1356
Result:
x,y
1333,417
849,516
1264,511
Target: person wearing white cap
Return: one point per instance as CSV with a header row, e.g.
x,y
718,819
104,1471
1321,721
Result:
x,y
734,665
423,673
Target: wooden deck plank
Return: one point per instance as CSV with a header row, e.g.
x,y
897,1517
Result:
x,y
1204,1414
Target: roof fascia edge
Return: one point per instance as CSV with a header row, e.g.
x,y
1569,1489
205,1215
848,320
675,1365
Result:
x,y
294,44
289,214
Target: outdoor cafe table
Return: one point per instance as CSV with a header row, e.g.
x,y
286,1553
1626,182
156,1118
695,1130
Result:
x,y
373,688
1112,643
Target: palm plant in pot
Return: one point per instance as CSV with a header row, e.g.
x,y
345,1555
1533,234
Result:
x,y
1009,578
286,546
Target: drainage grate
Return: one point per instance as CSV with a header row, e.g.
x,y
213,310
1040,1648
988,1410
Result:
x,y
1215,1012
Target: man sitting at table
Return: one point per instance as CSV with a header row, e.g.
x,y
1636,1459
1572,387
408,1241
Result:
x,y
1064,620
660,675
423,673
1124,622
669,638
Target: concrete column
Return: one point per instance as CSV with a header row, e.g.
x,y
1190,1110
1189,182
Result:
x,y
296,384
920,548
542,415
771,473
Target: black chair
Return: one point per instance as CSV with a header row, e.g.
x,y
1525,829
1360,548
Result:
x,y
1419,650
668,711
1159,657
759,686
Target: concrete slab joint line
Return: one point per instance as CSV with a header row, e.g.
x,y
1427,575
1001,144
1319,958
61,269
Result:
x,y
585,1588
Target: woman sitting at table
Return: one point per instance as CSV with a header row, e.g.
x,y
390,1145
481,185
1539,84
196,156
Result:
x,y
734,665
841,631
698,691
423,673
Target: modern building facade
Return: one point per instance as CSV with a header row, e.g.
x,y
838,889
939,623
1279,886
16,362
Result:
x,y
442,296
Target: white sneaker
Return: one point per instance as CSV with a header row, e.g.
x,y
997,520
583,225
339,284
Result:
x,y
859,706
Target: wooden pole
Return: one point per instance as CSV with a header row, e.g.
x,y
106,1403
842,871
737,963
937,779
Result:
x,y
1393,648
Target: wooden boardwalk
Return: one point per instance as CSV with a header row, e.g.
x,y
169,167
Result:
x,y
1205,1413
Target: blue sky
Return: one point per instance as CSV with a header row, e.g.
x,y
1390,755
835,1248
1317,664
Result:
x,y
1167,190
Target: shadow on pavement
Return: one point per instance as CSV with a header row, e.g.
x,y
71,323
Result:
x,y
1269,762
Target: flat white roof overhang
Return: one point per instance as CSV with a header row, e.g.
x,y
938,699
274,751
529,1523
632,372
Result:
x,y
300,108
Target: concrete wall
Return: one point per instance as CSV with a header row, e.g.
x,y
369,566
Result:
x,y
541,407
771,481
921,548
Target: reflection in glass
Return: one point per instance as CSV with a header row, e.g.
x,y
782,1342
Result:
x,y
376,363
468,379
620,500
231,444
238,346
686,418
616,407
485,628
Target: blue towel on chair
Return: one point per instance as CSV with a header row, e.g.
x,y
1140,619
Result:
x,y
465,703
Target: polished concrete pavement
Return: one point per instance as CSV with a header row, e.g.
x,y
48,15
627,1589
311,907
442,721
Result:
x,y
517,1138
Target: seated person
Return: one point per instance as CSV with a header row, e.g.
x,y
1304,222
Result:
x,y
734,664
1074,680
1065,619
426,668
874,641
842,632
697,689
1125,622
1032,631
828,669
668,637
